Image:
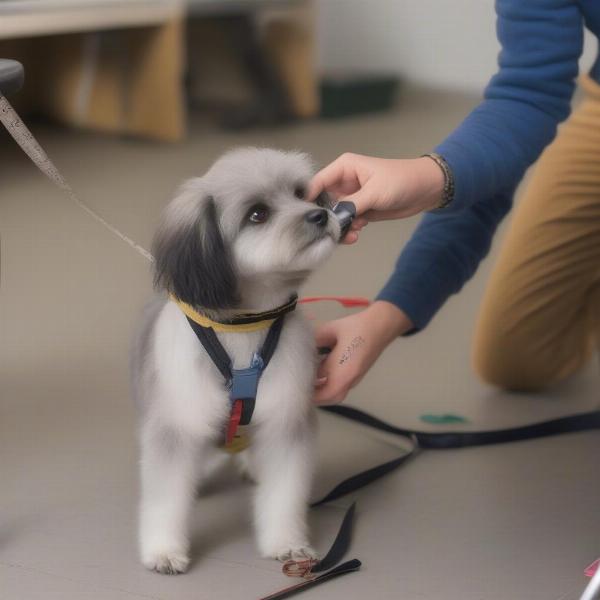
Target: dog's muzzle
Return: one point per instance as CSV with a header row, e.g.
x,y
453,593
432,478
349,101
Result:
x,y
318,217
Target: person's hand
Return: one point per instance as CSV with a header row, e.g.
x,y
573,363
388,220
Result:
x,y
356,342
381,188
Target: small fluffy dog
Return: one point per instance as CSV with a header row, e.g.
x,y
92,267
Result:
x,y
238,240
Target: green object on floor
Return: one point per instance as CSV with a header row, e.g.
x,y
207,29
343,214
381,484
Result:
x,y
444,419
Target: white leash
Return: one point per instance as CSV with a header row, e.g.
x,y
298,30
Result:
x,y
21,134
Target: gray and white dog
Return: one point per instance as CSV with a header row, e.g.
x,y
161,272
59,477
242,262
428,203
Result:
x,y
238,239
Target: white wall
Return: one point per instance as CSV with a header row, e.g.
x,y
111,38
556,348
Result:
x,y
443,43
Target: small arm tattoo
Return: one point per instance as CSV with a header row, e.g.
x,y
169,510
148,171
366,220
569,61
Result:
x,y
357,342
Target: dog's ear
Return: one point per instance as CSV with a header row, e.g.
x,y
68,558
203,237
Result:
x,y
192,261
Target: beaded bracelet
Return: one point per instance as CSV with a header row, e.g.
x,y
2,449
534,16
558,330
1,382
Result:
x,y
448,191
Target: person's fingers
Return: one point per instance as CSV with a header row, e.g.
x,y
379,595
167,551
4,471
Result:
x,y
322,372
386,215
331,392
326,335
333,174
336,381
359,223
338,190
363,199
344,188
355,228
323,398
328,178
350,238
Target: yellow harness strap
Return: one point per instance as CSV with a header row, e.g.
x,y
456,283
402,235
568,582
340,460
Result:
x,y
204,321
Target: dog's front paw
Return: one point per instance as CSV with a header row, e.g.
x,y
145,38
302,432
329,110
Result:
x,y
292,552
167,562
302,553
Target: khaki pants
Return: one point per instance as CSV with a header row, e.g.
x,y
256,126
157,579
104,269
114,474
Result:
x,y
540,319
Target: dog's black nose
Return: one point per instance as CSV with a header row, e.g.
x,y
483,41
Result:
x,y
316,217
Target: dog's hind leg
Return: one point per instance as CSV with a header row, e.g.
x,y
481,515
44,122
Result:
x,y
281,500
168,476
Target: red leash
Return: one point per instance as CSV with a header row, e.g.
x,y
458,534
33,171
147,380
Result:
x,y
345,301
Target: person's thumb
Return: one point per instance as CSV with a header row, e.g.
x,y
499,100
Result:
x,y
326,336
363,200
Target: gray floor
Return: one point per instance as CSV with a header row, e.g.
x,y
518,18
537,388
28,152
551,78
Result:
x,y
515,522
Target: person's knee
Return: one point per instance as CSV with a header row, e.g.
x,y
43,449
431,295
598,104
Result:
x,y
510,363
525,355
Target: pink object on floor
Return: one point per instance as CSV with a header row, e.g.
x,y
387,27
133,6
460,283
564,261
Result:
x,y
591,570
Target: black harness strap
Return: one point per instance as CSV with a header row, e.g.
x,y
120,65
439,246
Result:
x,y
208,338
241,382
271,341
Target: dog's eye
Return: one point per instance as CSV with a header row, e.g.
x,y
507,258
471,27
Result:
x,y
300,192
258,214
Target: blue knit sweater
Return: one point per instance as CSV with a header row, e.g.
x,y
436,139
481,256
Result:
x,y
490,151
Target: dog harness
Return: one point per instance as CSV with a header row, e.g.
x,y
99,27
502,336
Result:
x,y
242,384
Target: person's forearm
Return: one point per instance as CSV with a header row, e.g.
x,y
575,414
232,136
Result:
x,y
388,320
443,253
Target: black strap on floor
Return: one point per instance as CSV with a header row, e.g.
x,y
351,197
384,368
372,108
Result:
x,y
462,439
446,440
419,440
364,478
340,544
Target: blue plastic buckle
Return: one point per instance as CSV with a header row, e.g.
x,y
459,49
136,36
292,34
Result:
x,y
244,387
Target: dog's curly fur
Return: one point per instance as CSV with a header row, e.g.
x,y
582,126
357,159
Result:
x,y
210,253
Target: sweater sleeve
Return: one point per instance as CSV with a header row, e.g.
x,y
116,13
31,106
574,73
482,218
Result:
x,y
523,103
490,151
441,256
